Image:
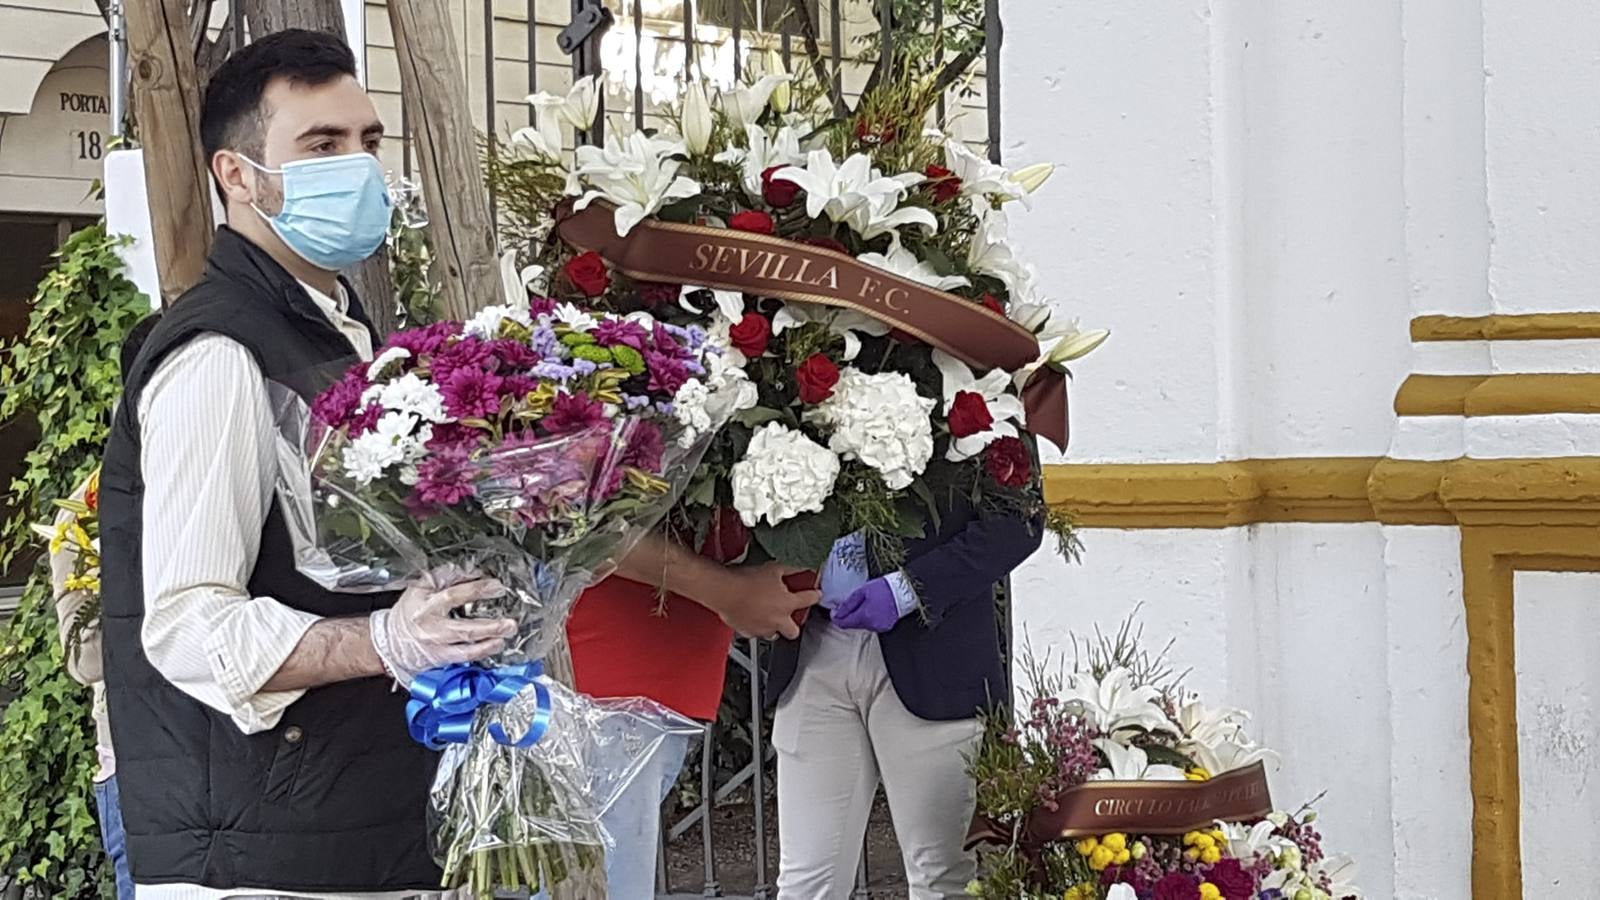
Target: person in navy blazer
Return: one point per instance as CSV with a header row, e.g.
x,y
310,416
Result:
x,y
886,683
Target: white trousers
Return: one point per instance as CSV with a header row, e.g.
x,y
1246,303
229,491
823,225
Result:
x,y
839,729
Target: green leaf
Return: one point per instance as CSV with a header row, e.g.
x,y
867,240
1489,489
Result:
x,y
757,416
803,541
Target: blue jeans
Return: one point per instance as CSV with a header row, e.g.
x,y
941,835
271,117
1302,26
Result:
x,y
109,803
634,823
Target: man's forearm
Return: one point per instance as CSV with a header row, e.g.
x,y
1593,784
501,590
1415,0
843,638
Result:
x,y
666,564
331,650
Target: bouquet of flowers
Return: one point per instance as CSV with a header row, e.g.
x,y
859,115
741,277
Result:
x,y
532,444
887,346
79,530
1118,784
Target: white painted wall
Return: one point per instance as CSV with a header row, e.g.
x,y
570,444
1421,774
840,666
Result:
x,y
1558,730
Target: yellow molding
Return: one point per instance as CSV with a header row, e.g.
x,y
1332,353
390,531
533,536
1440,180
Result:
x,y
1435,395
1498,395
1563,491
1527,327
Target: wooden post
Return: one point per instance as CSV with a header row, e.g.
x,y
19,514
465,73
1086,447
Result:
x,y
176,177
370,277
435,99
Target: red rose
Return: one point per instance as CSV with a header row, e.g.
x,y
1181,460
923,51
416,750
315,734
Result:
x,y
1231,878
826,243
1178,886
658,293
817,377
969,415
753,220
751,335
1010,465
875,134
781,194
588,273
993,303
943,183
728,540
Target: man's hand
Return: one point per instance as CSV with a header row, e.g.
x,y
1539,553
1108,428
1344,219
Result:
x,y
418,632
759,603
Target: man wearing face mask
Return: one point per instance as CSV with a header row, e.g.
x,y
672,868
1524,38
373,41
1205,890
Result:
x,y
261,742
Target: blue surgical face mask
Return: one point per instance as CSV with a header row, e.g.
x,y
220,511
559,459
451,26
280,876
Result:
x,y
336,209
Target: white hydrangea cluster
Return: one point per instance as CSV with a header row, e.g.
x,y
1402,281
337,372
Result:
x,y
783,474
689,407
881,420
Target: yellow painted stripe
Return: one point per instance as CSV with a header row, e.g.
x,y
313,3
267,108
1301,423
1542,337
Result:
x,y
1498,395
1527,327
1435,395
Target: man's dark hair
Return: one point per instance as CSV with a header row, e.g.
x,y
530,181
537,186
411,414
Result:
x,y
231,117
134,342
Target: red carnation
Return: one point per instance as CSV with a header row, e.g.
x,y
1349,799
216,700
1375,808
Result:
x,y
753,220
969,415
1177,886
1231,878
751,335
993,303
943,183
826,243
817,377
729,539
658,293
588,273
1009,463
781,194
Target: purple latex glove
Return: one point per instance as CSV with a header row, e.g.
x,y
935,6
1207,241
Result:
x,y
872,606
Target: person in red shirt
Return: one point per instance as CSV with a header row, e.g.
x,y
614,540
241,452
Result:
x,y
627,643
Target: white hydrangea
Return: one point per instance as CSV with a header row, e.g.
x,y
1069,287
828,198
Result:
x,y
689,407
783,474
881,420
410,395
394,441
731,389
386,359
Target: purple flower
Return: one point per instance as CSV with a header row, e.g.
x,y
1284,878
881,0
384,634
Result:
x,y
541,306
445,478
574,412
551,370
635,401
514,355
518,386
612,332
454,436
467,353
365,420
645,447
338,403
471,393
429,339
664,341
584,368
667,373
545,342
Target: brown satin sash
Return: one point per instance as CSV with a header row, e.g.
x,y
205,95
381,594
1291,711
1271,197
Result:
x,y
775,267
1138,807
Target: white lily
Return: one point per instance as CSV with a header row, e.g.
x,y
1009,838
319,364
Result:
x,y
780,149
857,195
904,263
743,104
531,143
1005,407
1128,763
845,323
781,94
640,177
979,177
518,285
1075,343
990,252
1247,842
1115,703
1340,871
1031,178
577,109
730,304
697,121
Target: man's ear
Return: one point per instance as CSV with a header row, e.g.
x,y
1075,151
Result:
x,y
234,179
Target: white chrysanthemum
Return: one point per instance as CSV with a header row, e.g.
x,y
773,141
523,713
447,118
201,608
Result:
x,y
486,324
783,474
881,420
384,360
392,442
410,395
574,318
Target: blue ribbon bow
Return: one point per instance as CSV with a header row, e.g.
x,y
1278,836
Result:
x,y
444,701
